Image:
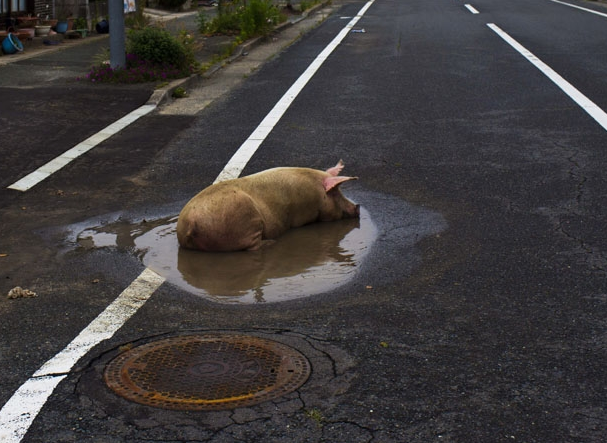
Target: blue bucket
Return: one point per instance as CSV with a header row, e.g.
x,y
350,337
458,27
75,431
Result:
x,y
11,44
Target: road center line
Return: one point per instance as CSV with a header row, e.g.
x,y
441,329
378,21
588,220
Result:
x,y
471,8
57,163
579,7
584,102
19,412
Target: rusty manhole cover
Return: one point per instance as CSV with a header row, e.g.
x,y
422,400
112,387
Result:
x,y
207,372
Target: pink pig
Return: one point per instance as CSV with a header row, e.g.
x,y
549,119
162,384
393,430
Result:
x,y
239,214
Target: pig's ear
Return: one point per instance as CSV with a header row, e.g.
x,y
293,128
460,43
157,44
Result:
x,y
332,182
335,170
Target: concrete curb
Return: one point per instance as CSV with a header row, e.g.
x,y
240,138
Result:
x,y
165,94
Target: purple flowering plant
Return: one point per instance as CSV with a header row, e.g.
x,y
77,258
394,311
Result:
x,y
136,70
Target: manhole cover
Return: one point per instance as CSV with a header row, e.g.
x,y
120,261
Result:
x,y
207,372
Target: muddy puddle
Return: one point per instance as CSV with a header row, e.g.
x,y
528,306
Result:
x,y
304,261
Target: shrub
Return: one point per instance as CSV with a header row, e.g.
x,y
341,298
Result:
x,y
258,18
246,18
225,23
157,46
153,54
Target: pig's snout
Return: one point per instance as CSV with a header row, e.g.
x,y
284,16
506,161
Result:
x,y
352,212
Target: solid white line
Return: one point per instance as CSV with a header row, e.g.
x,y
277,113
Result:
x,y
240,159
54,165
579,7
471,9
584,102
105,325
19,412
22,408
17,415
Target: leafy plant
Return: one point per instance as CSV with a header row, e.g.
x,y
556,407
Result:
x,y
153,54
315,415
247,19
157,46
102,57
258,18
225,23
80,23
202,21
179,93
189,44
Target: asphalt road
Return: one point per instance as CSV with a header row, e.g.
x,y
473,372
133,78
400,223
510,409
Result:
x,y
477,312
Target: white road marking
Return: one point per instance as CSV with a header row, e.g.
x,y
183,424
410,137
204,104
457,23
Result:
x,y
579,7
471,9
17,415
19,412
54,165
240,159
584,102
22,408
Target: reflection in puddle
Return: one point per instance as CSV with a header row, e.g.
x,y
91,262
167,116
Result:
x,y
304,261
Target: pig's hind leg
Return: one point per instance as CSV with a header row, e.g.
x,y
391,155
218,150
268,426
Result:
x,y
244,226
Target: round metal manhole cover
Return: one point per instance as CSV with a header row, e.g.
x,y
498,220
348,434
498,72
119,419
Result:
x,y
207,372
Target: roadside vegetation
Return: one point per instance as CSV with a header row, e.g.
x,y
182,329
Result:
x,y
155,55
242,18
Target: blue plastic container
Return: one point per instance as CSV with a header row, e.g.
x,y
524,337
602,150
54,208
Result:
x,y
61,27
11,44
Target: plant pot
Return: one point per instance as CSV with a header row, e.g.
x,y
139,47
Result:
x,y
42,30
30,31
103,27
27,21
11,44
61,27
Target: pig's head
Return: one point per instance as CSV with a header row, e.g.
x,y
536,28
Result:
x,y
335,205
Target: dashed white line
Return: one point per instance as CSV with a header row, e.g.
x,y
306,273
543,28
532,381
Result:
x,y
17,415
579,7
472,9
45,171
584,102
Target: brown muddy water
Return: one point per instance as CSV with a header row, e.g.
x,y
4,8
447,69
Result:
x,y
305,261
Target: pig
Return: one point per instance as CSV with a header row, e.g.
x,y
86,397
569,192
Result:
x,y
244,213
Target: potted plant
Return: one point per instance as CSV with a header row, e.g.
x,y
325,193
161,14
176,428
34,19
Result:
x,y
81,26
65,22
42,29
